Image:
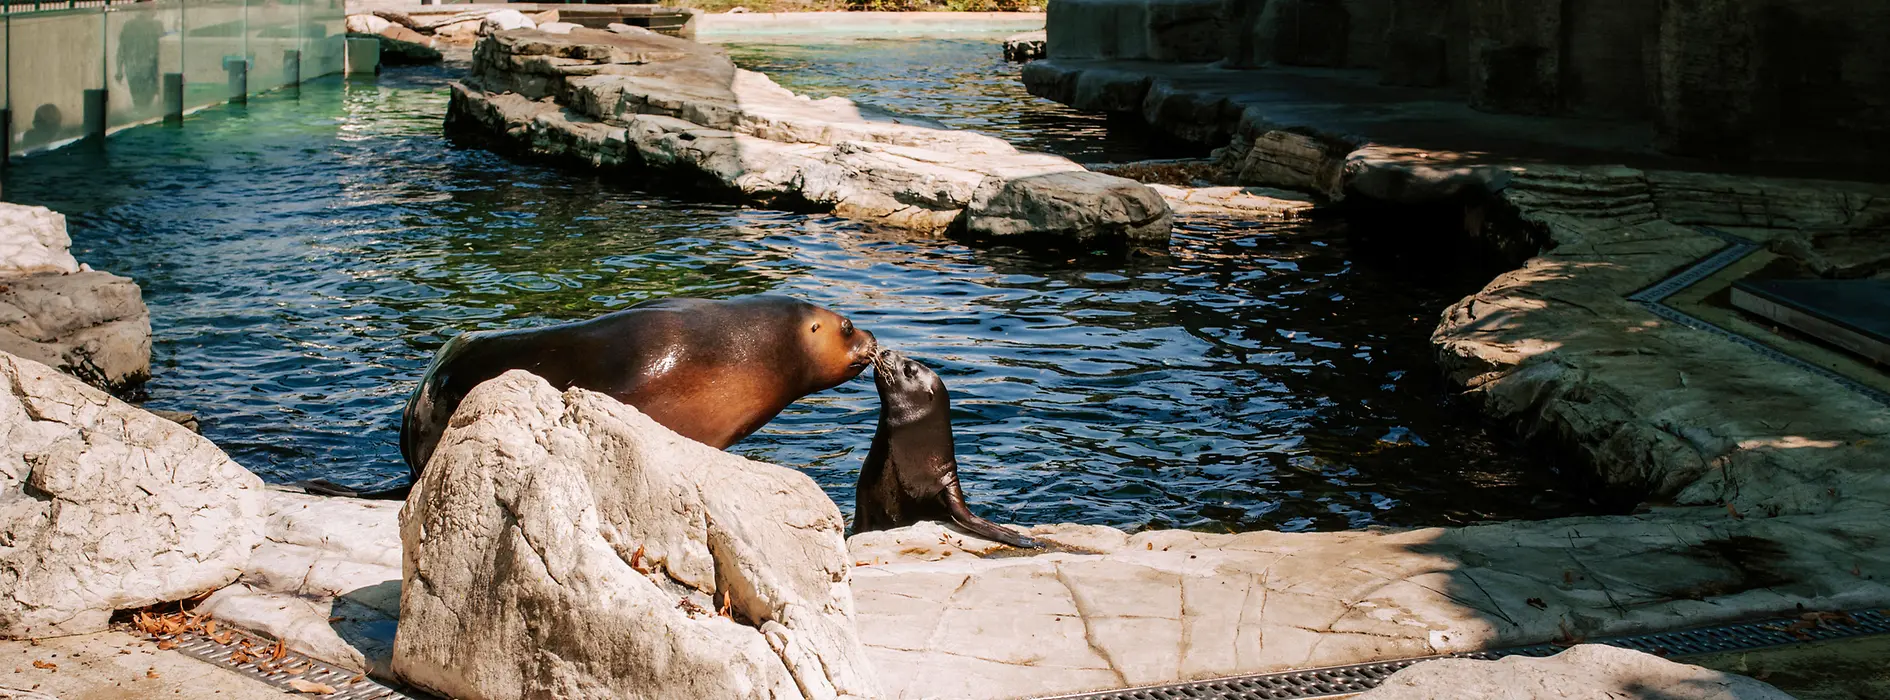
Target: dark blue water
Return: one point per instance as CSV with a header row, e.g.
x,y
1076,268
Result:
x,y
303,256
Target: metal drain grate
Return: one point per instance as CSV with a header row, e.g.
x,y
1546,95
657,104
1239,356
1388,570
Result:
x,y
348,685
1737,248
1358,678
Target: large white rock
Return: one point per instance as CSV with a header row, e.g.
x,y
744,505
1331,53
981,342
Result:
x,y
105,507
1585,672
367,24
33,241
526,542
505,20
1075,206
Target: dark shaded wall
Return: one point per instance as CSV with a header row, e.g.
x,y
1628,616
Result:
x,y
1728,79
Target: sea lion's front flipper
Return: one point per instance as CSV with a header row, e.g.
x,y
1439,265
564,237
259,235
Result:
x,y
963,517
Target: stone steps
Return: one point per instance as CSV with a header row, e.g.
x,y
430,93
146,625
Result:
x,y
1618,194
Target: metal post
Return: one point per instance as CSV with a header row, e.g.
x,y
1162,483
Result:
x,y
292,67
173,97
6,136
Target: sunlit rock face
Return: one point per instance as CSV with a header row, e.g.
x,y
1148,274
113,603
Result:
x,y
54,311
1584,671
567,545
105,507
642,100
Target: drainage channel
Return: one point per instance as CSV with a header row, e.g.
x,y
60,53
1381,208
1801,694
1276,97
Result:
x,y
1358,678
290,671
1737,248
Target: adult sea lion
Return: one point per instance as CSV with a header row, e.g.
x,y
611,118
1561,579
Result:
x,y
911,471
714,371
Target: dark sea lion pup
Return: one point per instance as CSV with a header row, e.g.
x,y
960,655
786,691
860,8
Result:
x,y
911,471
714,371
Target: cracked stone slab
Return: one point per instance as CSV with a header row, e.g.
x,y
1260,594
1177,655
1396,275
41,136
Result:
x,y
1165,606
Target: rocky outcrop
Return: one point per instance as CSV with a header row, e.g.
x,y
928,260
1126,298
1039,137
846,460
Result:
x,y
1583,672
105,507
568,544
92,325
1028,46
656,103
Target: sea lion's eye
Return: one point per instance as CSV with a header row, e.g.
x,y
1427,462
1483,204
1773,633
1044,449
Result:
x,y
846,327
816,328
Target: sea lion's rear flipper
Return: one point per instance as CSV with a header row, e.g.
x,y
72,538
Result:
x,y
323,487
962,517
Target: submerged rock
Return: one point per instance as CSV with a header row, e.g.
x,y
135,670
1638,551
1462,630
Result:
x,y
105,507
641,99
54,311
568,544
1585,672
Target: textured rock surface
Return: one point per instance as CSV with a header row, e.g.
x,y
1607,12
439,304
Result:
x,y
1160,606
505,20
325,580
105,507
1075,206
1583,672
641,99
527,542
92,325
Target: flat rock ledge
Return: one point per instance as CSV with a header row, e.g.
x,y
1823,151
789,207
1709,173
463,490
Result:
x,y
105,507
1584,672
92,325
642,100
566,545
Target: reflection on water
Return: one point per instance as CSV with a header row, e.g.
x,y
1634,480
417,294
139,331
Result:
x,y
304,257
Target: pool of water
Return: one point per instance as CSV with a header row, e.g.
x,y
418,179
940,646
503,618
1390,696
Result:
x,y
304,255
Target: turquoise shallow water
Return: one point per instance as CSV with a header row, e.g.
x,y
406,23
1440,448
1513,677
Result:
x,y
304,255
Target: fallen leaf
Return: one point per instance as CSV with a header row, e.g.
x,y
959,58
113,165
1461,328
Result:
x,y
150,673
1734,512
636,561
1568,577
48,665
1151,545
277,652
238,657
336,618
310,687
224,638
357,679
1537,604
210,628
167,644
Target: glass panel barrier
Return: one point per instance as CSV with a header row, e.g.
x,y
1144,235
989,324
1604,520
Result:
x,y
324,37
213,40
141,45
56,71
272,35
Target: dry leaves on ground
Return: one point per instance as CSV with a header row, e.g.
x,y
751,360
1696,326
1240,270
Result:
x,y
311,688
